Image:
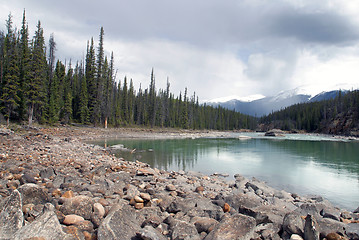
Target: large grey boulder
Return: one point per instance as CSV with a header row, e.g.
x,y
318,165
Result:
x,y
234,227
149,233
352,230
311,228
184,230
293,223
11,216
120,223
32,193
47,226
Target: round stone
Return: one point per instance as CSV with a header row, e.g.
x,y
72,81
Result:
x,y
72,219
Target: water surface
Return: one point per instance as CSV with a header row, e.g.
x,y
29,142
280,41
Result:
x,y
296,163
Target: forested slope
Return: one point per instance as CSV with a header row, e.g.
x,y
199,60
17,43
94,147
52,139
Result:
x,y
336,116
35,86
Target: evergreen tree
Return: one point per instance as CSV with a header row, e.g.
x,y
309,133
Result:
x,y
56,89
152,101
36,87
83,110
67,109
99,79
90,72
125,101
24,67
10,85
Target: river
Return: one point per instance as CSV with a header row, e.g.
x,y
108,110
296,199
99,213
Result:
x,y
302,164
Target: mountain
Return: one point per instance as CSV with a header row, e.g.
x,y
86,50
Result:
x,y
266,105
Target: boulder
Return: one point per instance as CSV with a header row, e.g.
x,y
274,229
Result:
x,y
243,202
46,226
184,230
352,230
311,228
274,133
79,205
32,193
268,231
28,178
327,225
149,233
120,223
238,226
11,216
293,224
47,172
205,224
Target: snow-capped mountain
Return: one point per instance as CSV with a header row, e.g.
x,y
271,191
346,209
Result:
x,y
265,105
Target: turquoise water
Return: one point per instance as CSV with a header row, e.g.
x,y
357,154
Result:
x,y
296,163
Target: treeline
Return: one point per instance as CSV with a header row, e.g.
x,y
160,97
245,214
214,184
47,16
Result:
x,y
335,116
37,87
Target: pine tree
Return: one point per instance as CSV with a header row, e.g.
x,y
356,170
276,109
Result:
x,y
10,85
36,87
125,101
90,72
131,103
152,101
56,90
99,79
24,67
67,109
83,110
106,103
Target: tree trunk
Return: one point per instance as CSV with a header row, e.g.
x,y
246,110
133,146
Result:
x,y
105,122
31,113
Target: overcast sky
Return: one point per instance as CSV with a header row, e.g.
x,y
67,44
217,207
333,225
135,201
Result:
x,y
216,48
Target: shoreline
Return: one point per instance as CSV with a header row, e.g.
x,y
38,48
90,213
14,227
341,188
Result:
x,y
63,171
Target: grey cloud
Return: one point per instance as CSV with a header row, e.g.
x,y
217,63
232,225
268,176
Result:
x,y
322,28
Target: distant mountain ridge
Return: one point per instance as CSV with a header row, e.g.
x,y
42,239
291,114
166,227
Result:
x,y
264,106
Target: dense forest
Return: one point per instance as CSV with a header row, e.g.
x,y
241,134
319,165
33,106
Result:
x,y
35,86
335,116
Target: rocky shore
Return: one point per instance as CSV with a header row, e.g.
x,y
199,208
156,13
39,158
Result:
x,y
55,186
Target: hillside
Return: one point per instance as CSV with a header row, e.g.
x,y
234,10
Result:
x,y
334,116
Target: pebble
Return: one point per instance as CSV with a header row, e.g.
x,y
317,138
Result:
x,y
139,205
72,219
145,196
138,199
226,207
99,210
68,194
170,187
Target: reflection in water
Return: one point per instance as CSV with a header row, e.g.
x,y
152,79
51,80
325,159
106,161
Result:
x,y
330,169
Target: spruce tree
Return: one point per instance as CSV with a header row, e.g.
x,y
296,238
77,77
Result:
x,y
67,109
152,101
99,79
10,85
56,92
36,87
83,108
90,72
24,67
125,101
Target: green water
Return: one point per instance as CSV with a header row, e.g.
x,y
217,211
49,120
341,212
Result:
x,y
297,164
